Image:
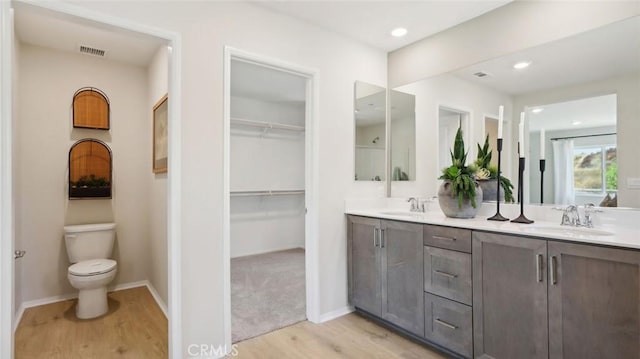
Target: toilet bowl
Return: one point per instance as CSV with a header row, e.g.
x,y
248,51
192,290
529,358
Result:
x,y
91,278
89,247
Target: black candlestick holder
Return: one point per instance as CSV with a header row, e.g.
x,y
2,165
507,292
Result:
x,y
543,164
498,216
521,218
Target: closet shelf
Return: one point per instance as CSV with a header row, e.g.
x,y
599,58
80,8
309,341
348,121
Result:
x,y
265,193
267,125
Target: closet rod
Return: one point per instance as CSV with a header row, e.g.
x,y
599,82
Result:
x,y
583,136
265,193
261,124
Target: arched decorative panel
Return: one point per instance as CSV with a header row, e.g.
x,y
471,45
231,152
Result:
x,y
90,171
91,109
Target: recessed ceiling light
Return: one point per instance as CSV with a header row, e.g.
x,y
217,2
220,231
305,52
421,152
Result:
x,y
399,32
537,110
576,123
522,65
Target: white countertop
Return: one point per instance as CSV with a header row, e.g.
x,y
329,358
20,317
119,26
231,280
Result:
x,y
623,228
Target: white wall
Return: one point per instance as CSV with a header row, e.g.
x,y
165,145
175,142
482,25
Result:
x,y
516,26
48,80
451,92
157,74
205,27
267,160
627,89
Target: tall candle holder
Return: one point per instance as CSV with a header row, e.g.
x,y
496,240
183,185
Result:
x,y
498,216
522,218
543,164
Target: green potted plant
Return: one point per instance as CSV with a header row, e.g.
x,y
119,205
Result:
x,y
487,175
459,196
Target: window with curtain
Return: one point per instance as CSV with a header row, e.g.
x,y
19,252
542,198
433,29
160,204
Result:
x,y
595,169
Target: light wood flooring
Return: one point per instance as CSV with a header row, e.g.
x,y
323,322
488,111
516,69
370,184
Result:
x,y
135,327
350,336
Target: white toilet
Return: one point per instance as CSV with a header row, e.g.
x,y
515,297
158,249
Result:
x,y
89,247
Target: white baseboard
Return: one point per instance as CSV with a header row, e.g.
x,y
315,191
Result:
x,y
335,314
63,297
271,250
159,301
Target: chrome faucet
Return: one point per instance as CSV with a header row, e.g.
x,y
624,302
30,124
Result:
x,y
589,209
571,216
416,205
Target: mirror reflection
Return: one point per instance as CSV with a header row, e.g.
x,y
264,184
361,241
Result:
x,y
403,136
370,132
582,92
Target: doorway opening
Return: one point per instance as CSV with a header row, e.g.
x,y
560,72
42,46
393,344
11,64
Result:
x,y
449,120
269,236
48,73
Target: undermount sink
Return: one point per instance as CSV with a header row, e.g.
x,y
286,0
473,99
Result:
x,y
401,213
567,231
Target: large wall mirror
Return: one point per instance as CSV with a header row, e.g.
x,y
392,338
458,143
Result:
x,y
581,93
370,132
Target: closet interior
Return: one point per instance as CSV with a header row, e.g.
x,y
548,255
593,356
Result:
x,y
267,190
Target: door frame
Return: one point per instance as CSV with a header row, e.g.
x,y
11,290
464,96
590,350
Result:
x,y
174,176
311,180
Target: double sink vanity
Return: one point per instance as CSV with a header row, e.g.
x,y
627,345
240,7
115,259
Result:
x,y
485,289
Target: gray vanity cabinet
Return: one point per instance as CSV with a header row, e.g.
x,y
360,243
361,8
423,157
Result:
x,y
365,281
385,271
509,297
594,302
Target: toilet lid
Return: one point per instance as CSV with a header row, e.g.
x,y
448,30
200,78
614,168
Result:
x,y
92,267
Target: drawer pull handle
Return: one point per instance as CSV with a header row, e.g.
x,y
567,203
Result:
x,y
445,274
443,323
444,238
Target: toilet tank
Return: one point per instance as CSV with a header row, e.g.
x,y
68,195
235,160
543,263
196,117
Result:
x,y
89,241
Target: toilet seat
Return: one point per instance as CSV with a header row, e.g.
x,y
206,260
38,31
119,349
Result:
x,y
92,267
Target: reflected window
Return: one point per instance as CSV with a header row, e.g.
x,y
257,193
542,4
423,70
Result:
x,y
595,169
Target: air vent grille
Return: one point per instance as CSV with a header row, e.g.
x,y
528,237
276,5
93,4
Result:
x,y
92,51
481,74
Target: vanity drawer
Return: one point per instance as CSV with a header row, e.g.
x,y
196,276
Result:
x,y
448,274
447,237
448,324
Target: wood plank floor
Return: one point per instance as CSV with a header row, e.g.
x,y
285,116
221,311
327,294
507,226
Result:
x,y
135,327
350,336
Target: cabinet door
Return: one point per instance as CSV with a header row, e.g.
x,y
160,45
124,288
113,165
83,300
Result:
x,y
402,275
365,285
509,297
594,302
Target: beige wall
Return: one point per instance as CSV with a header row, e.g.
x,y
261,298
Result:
x,y
627,89
513,27
205,27
158,72
48,80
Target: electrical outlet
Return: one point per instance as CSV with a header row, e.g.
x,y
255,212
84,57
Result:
x,y
633,183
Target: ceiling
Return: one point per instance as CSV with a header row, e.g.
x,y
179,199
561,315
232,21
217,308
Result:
x,y
583,113
371,22
606,52
44,28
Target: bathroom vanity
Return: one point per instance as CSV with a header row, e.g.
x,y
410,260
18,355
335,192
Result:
x,y
483,289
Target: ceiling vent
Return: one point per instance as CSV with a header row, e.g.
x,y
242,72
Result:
x,y
92,51
481,74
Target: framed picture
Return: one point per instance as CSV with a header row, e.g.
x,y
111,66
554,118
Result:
x,y
160,139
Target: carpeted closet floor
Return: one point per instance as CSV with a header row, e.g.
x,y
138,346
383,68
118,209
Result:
x,y
267,293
